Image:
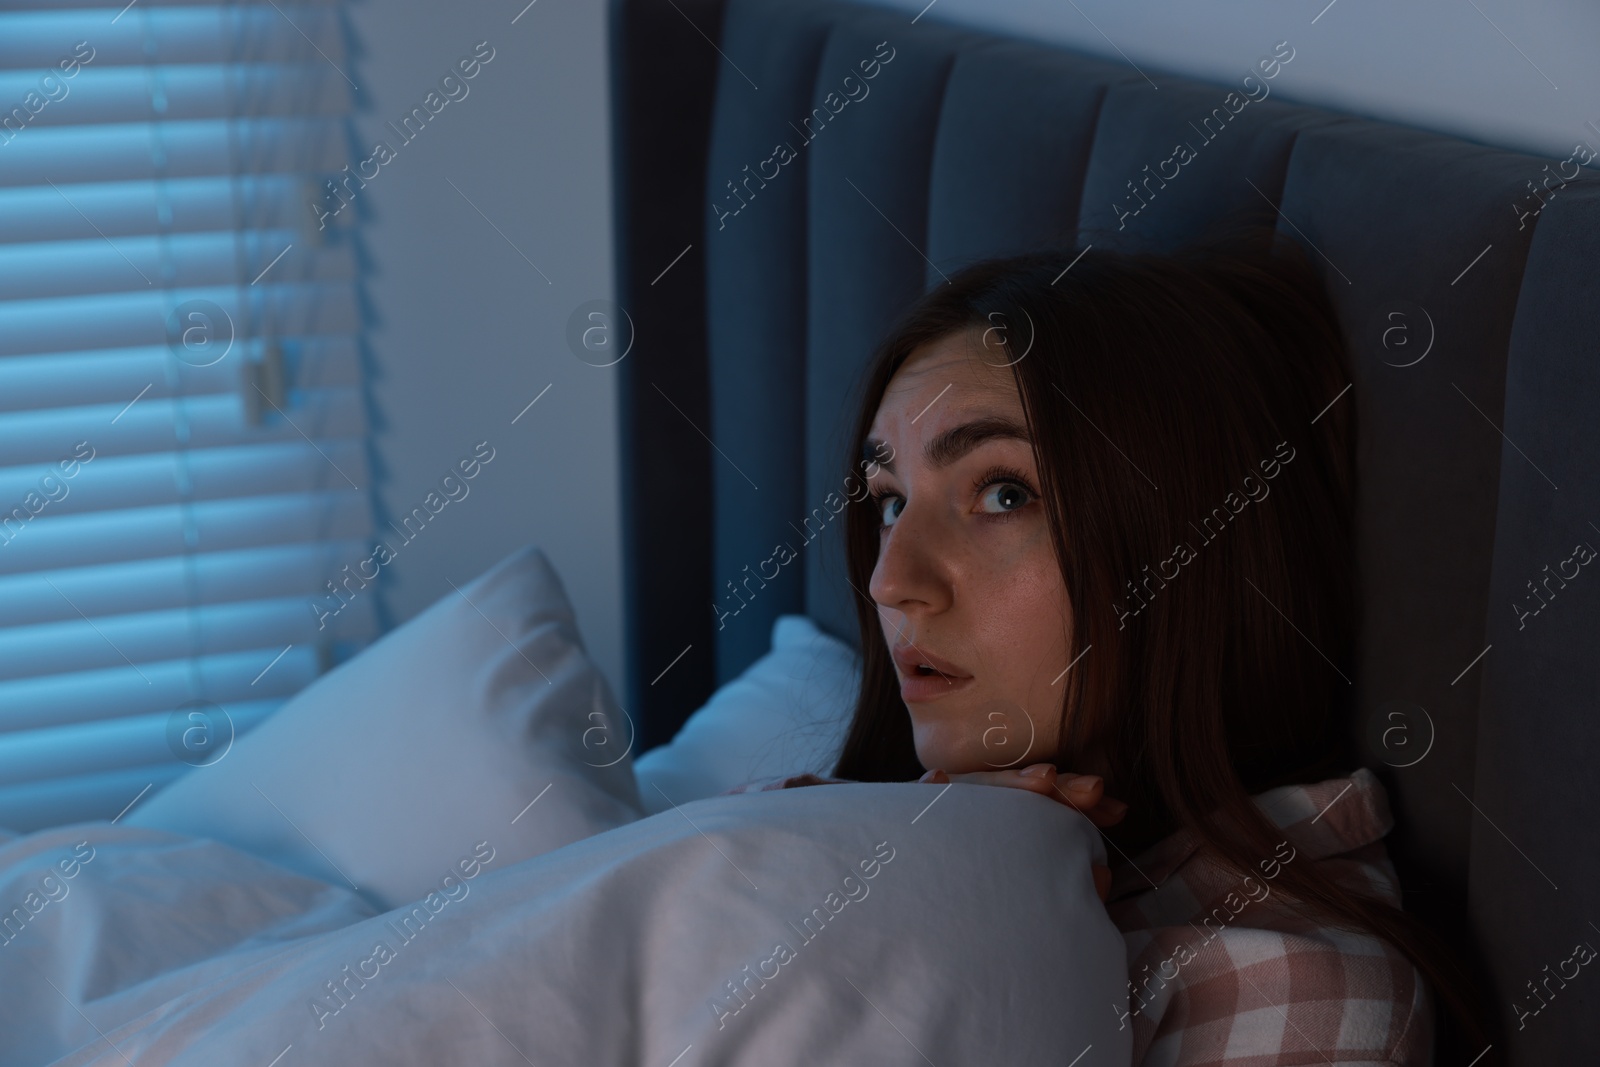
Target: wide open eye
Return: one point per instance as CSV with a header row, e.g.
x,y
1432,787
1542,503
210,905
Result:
x,y
1004,491
1005,496
889,507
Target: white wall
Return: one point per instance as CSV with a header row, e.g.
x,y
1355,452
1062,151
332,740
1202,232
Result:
x,y
466,331
1530,85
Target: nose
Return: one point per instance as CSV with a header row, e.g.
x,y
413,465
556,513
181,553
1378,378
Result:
x,y
913,573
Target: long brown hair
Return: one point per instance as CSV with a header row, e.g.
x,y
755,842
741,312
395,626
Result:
x,y
1158,389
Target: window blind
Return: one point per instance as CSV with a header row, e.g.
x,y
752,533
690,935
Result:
x,y
183,460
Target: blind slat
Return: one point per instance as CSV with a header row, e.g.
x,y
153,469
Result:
x,y
136,483
82,798
82,696
118,744
141,318
100,94
189,261
144,533
175,582
210,422
180,205
152,150
115,376
129,640
178,32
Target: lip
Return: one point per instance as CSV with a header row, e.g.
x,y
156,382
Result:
x,y
920,688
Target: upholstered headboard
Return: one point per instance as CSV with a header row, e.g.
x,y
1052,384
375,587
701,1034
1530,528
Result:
x,y
810,203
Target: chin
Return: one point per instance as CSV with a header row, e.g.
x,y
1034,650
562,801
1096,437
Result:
x,y
952,738
946,753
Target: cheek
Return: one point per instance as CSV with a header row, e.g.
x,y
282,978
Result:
x,y
1023,612
1025,627
1016,634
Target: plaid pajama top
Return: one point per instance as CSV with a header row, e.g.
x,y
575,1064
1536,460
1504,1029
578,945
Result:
x,y
1219,976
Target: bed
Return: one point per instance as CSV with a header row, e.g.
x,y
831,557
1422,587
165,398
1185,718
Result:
x,y
461,845
1462,274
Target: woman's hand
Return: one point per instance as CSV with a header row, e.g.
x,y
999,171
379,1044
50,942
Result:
x,y
1083,792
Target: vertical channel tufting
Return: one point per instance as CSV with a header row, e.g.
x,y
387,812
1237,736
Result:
x,y
1423,262
1534,863
1169,165
755,241
1012,151
868,212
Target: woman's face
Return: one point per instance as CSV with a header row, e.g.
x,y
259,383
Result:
x,y
967,578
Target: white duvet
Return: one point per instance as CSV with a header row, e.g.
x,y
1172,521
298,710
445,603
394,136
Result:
x,y
841,924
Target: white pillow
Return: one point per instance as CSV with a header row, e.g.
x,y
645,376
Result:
x,y
787,713
423,752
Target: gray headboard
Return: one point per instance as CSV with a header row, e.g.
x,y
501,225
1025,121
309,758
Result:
x,y
1472,304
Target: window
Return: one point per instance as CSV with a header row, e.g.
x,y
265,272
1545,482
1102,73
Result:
x,y
183,429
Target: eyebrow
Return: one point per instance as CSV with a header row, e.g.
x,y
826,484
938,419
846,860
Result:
x,y
954,443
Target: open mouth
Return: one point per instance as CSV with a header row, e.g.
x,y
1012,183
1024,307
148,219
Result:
x,y
925,667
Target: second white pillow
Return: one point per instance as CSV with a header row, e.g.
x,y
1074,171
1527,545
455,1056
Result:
x,y
787,713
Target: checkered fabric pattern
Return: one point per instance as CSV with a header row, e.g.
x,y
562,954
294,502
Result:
x,y
1222,974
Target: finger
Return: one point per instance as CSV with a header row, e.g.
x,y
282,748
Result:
x,y
1081,791
1038,778
1087,788
1086,793
1112,807
1103,816
1011,776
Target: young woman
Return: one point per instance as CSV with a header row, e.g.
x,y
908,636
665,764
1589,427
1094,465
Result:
x,y
1111,530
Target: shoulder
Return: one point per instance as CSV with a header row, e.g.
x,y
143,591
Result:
x,y
1224,973
1221,997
